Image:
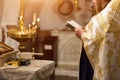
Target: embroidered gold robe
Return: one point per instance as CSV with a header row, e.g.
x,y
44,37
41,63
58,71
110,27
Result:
x,y
102,42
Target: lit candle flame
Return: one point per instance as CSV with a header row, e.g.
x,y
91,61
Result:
x,y
38,19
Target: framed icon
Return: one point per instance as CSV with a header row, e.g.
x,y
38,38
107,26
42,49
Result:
x,y
5,48
65,7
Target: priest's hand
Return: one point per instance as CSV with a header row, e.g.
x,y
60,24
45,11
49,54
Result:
x,y
79,32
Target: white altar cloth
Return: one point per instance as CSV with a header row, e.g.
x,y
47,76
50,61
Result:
x,y
37,70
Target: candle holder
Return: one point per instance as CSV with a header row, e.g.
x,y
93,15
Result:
x,y
21,35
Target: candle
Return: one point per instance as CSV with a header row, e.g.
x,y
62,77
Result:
x,y
34,17
21,17
21,21
21,8
29,26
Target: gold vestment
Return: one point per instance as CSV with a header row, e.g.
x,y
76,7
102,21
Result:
x,y
102,42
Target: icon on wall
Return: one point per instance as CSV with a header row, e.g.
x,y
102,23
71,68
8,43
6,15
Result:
x,y
65,7
5,48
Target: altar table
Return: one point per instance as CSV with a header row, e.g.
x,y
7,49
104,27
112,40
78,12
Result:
x,y
37,70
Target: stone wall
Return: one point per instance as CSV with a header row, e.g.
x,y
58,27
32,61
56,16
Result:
x,y
47,11
69,48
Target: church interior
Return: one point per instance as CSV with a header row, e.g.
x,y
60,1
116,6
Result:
x,y
36,30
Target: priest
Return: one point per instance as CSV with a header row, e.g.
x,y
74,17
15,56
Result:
x,y
101,40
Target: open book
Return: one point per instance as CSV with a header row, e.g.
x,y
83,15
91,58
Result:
x,y
72,25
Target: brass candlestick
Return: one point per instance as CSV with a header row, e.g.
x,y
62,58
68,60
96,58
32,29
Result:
x,y
22,33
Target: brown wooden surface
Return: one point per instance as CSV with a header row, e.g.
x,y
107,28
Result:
x,y
50,54
41,34
43,38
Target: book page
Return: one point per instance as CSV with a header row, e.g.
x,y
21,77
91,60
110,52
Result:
x,y
72,25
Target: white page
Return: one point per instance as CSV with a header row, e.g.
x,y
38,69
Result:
x,y
72,24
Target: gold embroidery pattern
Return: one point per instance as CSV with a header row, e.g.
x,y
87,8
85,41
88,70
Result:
x,y
102,42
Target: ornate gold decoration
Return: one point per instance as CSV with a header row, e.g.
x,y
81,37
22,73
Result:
x,y
22,33
4,48
66,7
76,2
